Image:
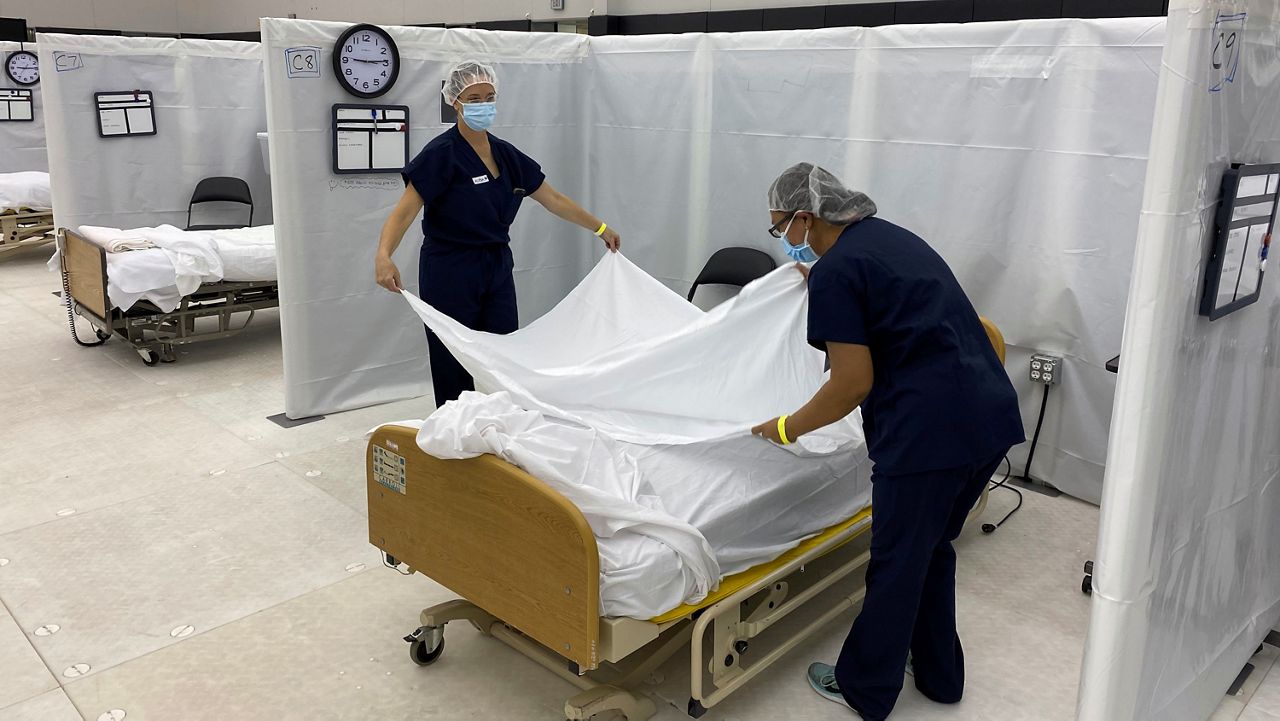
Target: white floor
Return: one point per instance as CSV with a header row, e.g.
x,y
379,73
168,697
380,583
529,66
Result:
x,y
167,553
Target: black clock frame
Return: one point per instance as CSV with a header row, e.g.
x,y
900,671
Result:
x,y
337,60
9,74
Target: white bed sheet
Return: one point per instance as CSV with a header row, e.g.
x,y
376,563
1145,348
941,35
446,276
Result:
x,y
670,520
777,501
182,261
27,189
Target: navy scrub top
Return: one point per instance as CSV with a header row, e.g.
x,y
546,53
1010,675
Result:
x,y
464,203
940,397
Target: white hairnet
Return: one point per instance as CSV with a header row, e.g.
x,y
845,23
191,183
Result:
x,y
464,75
805,186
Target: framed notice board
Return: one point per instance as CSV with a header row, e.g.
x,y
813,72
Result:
x,y
1241,239
370,138
16,105
125,113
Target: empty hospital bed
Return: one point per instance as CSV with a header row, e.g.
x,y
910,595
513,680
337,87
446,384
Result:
x,y
26,218
141,297
528,568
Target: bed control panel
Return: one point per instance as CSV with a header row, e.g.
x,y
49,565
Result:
x,y
388,469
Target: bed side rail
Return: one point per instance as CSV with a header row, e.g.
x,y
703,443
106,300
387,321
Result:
x,y
493,534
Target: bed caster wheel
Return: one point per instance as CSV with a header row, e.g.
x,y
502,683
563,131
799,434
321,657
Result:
x,y
696,709
149,357
102,335
1086,586
1088,568
426,644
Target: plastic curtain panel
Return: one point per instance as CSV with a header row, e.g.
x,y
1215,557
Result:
x,y
1016,149
209,105
1187,580
347,342
22,143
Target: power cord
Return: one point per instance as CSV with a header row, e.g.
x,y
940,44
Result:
x,y
71,316
1026,470
989,528
1035,439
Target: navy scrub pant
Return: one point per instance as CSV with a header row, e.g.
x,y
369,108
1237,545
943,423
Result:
x,y
473,284
911,590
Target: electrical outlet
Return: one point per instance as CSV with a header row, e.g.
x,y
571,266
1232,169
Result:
x,y
1046,369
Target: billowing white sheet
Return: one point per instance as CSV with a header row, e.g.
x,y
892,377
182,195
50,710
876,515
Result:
x,y
27,189
627,356
637,406
180,261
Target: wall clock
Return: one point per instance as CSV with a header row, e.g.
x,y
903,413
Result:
x,y
23,67
366,61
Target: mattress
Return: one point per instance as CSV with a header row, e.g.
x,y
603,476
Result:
x,y
28,189
181,261
751,500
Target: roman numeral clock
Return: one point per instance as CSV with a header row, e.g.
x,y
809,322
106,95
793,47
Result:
x,y
366,61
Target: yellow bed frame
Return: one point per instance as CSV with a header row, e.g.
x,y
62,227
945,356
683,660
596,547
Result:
x,y
526,566
24,228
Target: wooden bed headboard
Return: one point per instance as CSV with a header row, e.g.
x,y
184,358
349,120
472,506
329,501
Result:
x,y
86,267
494,535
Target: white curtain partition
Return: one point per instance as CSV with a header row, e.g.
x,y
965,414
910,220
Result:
x,y
1187,580
347,342
22,143
209,106
1016,149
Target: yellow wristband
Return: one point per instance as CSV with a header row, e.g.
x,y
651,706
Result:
x,y
782,430
603,227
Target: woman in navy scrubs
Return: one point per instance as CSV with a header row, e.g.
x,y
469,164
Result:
x,y
939,413
471,184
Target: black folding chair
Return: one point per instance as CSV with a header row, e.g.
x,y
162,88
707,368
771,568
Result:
x,y
733,266
221,190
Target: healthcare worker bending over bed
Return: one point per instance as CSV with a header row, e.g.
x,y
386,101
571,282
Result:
x,y
939,414
471,184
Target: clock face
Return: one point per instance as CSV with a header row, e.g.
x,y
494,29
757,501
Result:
x,y
23,67
366,61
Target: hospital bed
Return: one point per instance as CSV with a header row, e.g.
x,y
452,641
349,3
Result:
x,y
527,566
26,220
152,331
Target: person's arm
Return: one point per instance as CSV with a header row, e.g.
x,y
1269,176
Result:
x,y
852,374
563,206
393,231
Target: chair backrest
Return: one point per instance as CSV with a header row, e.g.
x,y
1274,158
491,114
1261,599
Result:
x,y
734,266
221,189
996,337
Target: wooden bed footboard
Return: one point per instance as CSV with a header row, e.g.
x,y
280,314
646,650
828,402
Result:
x,y
85,265
494,535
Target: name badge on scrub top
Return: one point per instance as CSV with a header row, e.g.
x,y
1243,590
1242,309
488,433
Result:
x,y
480,179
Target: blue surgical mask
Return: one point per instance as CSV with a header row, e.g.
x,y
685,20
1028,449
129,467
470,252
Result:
x,y
800,253
479,116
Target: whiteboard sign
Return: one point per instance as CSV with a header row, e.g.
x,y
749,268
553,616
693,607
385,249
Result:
x,y
1242,239
1228,36
370,138
62,62
16,105
125,113
302,62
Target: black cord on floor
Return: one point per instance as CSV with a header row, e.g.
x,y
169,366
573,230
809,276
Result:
x,y
1002,483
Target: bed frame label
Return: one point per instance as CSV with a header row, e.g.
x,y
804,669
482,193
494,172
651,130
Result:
x,y
388,469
